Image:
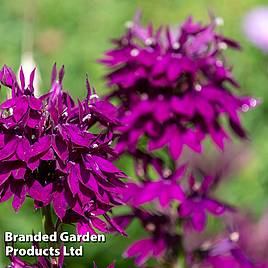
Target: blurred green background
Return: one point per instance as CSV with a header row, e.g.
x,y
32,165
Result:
x,y
76,33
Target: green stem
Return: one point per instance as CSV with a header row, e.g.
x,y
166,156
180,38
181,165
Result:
x,y
47,220
49,227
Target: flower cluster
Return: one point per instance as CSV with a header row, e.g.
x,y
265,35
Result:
x,y
193,202
174,89
173,85
50,152
194,209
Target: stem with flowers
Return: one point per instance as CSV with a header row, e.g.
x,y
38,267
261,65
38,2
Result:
x,y
173,87
50,154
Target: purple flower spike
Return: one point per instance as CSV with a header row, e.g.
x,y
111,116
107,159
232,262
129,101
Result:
x,y
173,87
18,263
49,152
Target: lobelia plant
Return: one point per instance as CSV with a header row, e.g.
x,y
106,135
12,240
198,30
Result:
x,y
50,152
173,88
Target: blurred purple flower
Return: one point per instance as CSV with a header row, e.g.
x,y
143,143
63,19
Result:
x,y
144,249
198,202
241,246
18,263
253,236
226,253
255,26
162,237
172,86
49,152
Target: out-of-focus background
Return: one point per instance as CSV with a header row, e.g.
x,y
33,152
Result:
x,y
76,33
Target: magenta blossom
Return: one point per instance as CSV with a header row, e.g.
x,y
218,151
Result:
x,y
161,240
198,202
173,87
165,189
42,262
228,249
227,254
49,152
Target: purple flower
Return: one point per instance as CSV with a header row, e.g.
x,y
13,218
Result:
x,y
225,250
255,27
42,262
173,87
161,240
144,249
226,253
253,236
18,263
165,189
48,151
198,202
